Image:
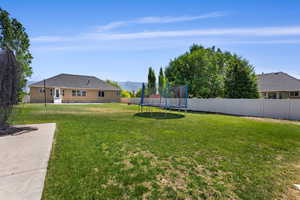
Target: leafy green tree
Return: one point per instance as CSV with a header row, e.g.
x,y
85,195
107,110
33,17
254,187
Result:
x,y
125,94
240,79
151,81
161,80
204,70
113,83
14,37
139,92
201,69
132,95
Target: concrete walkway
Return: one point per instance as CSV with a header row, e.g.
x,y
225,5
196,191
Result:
x,y
23,163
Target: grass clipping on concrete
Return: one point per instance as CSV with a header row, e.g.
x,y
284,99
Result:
x,y
105,151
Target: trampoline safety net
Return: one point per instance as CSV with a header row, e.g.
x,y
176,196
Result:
x,y
172,97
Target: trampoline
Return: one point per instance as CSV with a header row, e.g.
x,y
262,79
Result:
x,y
170,97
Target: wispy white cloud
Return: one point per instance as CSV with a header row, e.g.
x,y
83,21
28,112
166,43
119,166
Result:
x,y
278,41
112,25
158,20
249,32
54,38
150,20
265,31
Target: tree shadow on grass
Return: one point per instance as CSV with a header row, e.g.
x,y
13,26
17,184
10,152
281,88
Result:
x,y
159,115
14,131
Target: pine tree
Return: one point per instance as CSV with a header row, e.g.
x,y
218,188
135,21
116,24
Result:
x,y
161,80
151,81
240,80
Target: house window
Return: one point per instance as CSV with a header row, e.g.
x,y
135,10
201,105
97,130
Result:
x,y
63,92
118,93
42,90
78,93
51,91
294,94
101,93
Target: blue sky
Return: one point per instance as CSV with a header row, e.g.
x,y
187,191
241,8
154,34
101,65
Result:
x,y
119,40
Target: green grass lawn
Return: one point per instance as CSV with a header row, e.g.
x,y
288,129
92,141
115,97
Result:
x,y
103,151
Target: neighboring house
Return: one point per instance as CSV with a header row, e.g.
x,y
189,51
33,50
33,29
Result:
x,y
68,88
278,85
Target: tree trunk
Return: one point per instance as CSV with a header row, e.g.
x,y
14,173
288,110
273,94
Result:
x,y
9,83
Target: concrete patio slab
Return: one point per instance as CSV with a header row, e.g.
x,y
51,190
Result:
x,y
23,162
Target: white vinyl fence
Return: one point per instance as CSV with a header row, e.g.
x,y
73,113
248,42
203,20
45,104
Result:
x,y
273,108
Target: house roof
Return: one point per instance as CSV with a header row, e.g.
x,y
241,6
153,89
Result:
x,y
277,81
75,81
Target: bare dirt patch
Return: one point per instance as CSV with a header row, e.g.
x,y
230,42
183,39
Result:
x,y
273,120
176,174
127,164
292,193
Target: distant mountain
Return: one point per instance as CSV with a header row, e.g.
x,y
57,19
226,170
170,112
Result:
x,y
130,86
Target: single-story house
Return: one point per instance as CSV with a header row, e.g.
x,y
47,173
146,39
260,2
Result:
x,y
278,85
69,88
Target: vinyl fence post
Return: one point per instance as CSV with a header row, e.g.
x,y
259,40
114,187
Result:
x,y
263,108
289,113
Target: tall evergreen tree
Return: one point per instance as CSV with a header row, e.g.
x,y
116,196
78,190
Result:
x,y
161,80
14,37
240,80
151,81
